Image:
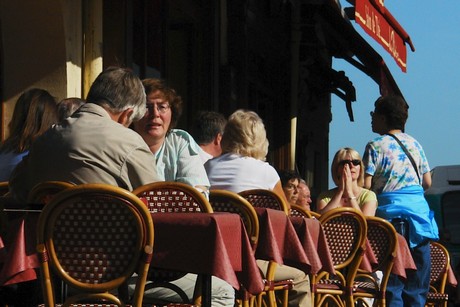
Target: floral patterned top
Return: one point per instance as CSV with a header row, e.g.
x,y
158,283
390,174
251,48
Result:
x,y
389,165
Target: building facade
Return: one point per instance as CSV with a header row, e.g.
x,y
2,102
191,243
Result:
x,y
271,56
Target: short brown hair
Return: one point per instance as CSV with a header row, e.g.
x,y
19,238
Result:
x,y
153,85
395,109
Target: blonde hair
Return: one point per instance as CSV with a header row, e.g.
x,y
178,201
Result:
x,y
341,155
245,135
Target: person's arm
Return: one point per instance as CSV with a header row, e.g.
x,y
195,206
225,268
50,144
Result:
x,y
426,180
369,208
139,168
367,181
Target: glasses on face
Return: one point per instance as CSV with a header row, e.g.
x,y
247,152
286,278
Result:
x,y
162,108
350,162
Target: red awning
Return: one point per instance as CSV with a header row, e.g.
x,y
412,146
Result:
x,y
378,22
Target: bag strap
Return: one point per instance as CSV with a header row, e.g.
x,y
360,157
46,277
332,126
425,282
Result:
x,y
407,153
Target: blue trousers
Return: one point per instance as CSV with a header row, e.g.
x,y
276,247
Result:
x,y
413,291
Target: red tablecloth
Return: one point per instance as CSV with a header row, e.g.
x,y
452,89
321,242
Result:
x,y
278,240
214,244
402,262
19,259
211,244
313,239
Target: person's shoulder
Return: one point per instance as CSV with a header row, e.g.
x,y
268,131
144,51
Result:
x,y
368,194
179,135
408,137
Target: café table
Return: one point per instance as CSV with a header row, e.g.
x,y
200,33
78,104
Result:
x,y
19,260
208,244
313,239
404,261
279,242
211,244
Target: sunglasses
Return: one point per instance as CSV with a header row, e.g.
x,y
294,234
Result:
x,y
349,162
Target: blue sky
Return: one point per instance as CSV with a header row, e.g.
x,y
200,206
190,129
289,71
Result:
x,y
431,84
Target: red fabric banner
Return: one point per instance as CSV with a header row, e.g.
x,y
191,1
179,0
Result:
x,y
379,24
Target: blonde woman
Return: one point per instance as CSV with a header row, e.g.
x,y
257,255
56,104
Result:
x,y
242,165
348,174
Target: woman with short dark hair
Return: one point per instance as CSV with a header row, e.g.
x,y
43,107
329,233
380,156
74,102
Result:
x,y
397,170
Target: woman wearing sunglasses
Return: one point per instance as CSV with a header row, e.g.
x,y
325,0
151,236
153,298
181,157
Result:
x,y
348,174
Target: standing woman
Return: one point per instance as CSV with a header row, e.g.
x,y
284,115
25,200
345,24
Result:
x,y
347,171
398,172
34,112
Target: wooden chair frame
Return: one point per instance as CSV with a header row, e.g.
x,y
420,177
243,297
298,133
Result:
x,y
383,240
4,188
297,210
43,192
227,201
65,244
346,251
265,199
440,266
166,196
173,197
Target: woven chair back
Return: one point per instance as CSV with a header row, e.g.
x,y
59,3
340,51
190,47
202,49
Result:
x,y
172,197
265,199
95,236
226,201
345,230
43,192
3,188
299,211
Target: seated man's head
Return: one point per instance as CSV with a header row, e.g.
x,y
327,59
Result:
x,y
290,182
208,131
120,92
304,197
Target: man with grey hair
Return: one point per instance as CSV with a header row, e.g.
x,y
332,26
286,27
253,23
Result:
x,y
94,145
304,198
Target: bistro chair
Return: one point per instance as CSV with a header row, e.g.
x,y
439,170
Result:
x,y
43,192
227,201
94,237
440,266
265,199
4,188
299,211
345,230
383,240
172,197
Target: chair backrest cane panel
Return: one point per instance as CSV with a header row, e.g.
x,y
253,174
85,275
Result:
x,y
265,199
95,236
345,230
170,197
440,266
299,211
226,201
